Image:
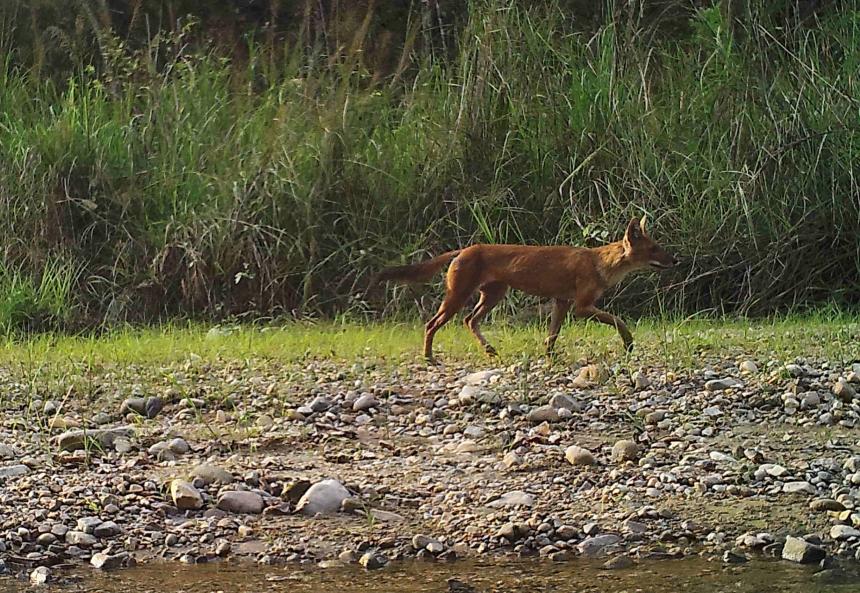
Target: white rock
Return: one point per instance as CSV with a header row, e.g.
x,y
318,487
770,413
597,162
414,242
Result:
x,y
324,497
513,499
577,455
798,488
185,496
840,532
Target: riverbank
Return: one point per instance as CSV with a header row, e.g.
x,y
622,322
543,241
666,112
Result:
x,y
712,438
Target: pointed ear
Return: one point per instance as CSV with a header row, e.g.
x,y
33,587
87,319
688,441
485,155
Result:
x,y
642,224
633,231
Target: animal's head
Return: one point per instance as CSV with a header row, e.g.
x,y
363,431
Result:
x,y
642,250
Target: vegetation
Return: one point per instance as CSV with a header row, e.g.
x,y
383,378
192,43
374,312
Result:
x,y
154,167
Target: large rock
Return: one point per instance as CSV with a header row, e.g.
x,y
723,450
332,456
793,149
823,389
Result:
x,y
513,532
562,401
13,471
109,561
800,550
844,391
103,438
543,414
81,539
211,474
185,496
594,546
241,501
798,488
840,532
514,498
364,403
480,377
625,451
372,560
721,384
145,406
324,497
577,455
41,576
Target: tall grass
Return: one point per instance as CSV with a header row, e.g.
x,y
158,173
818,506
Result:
x,y
182,182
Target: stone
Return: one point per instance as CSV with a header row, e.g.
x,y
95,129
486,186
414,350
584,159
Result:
x,y
211,474
513,499
511,459
320,404
101,438
618,563
543,414
144,406
13,471
594,546
41,576
640,381
748,367
842,532
798,488
372,560
561,401
294,491
800,550
577,455
625,450
324,497
240,502
106,529
105,561
88,524
480,377
513,532
364,403
80,539
730,557
185,496
810,400
721,384
826,504
844,391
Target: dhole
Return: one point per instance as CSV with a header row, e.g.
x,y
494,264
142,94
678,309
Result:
x,y
573,276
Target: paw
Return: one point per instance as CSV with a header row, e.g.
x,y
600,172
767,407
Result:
x,y
490,350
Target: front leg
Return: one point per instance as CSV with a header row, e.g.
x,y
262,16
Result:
x,y
559,311
592,312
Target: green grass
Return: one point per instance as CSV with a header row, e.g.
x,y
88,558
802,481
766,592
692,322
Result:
x,y
184,184
676,344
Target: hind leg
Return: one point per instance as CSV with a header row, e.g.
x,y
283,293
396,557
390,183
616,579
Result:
x,y
491,294
459,290
559,310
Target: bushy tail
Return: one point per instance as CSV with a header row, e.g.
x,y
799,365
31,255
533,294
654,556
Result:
x,y
420,272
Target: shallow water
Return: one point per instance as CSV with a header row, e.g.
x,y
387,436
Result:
x,y
688,576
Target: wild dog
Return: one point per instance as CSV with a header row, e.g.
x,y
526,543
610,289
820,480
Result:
x,y
573,276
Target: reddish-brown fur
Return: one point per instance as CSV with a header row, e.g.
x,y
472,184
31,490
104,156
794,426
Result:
x,y
573,276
